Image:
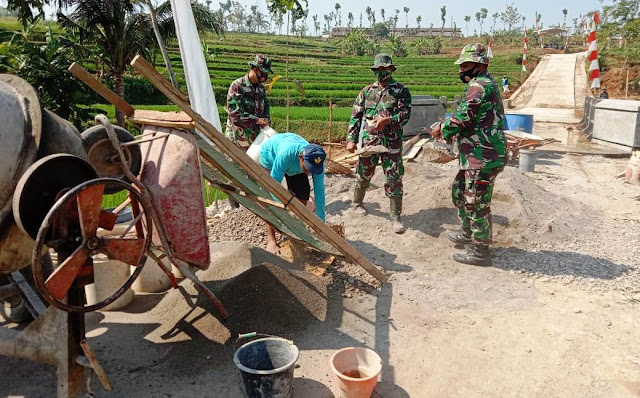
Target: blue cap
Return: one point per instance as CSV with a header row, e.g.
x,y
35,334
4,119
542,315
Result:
x,y
314,157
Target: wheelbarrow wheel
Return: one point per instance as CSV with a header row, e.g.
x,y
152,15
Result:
x,y
103,157
79,231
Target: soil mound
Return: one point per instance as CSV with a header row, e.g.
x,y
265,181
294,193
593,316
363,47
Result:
x,y
258,295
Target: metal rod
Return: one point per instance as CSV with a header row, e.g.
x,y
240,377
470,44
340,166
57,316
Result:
x,y
95,365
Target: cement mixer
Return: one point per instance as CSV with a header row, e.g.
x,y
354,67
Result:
x,y
55,184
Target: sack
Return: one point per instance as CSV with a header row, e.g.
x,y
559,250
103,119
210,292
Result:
x,y
633,169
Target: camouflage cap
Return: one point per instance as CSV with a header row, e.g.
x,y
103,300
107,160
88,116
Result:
x,y
473,53
382,61
262,62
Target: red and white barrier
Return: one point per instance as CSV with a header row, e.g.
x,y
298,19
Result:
x,y
592,53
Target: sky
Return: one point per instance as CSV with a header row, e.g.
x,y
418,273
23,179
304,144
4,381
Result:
x,y
550,10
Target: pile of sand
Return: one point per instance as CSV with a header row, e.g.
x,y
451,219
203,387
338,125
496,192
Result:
x,y
261,292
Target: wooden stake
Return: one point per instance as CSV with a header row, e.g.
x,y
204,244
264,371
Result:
x,y
330,123
256,172
626,89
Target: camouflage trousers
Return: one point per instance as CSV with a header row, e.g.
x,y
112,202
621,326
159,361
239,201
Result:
x,y
471,193
391,166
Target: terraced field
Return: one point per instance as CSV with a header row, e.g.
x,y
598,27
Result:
x,y
324,73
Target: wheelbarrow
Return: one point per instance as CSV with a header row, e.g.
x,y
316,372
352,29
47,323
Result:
x,y
168,216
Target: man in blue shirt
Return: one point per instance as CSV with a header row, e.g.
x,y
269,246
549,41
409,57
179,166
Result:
x,y
287,155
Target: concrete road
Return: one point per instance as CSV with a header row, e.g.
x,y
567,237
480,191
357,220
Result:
x,y
549,93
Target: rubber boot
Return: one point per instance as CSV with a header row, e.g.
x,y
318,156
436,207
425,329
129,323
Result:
x,y
459,237
358,197
478,255
395,207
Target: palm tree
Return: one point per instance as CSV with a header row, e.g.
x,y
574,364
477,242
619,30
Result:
x,y
350,18
418,21
495,17
565,12
338,14
467,19
382,15
406,16
368,11
122,31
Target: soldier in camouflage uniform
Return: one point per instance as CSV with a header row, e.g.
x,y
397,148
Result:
x,y
247,103
479,126
381,109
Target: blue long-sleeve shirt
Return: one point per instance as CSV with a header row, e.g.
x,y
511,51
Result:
x,y
279,154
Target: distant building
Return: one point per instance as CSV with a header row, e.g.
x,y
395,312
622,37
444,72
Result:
x,y
409,32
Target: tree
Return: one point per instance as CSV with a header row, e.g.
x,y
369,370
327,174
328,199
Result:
x,y
418,21
358,43
495,19
279,21
316,24
397,46
443,16
122,31
478,17
406,16
510,17
524,26
395,18
338,15
373,16
380,31
564,13
382,15
467,19
483,15
327,20
44,66
361,20
368,11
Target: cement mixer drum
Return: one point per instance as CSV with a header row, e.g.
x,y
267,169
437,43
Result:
x,y
20,130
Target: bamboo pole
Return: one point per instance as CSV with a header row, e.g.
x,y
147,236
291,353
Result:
x,y
256,172
626,89
330,124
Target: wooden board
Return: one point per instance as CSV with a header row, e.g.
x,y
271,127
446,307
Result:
x,y
256,172
413,152
406,147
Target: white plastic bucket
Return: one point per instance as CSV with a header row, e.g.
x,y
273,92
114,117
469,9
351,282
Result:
x,y
152,279
254,150
528,160
109,276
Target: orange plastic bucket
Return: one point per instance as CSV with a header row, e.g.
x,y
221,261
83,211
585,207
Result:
x,y
356,369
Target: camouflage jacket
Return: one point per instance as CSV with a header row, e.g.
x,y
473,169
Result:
x,y
246,103
479,124
373,101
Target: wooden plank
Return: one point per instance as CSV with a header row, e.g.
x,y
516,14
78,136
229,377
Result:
x,y
415,149
256,172
162,116
406,147
162,123
104,91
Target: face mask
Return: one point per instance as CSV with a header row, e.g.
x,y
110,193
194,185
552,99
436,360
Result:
x,y
471,73
383,75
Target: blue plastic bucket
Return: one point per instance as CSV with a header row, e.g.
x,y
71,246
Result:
x,y
519,122
448,115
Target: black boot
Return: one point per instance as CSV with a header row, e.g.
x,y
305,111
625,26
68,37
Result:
x,y
459,237
477,255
